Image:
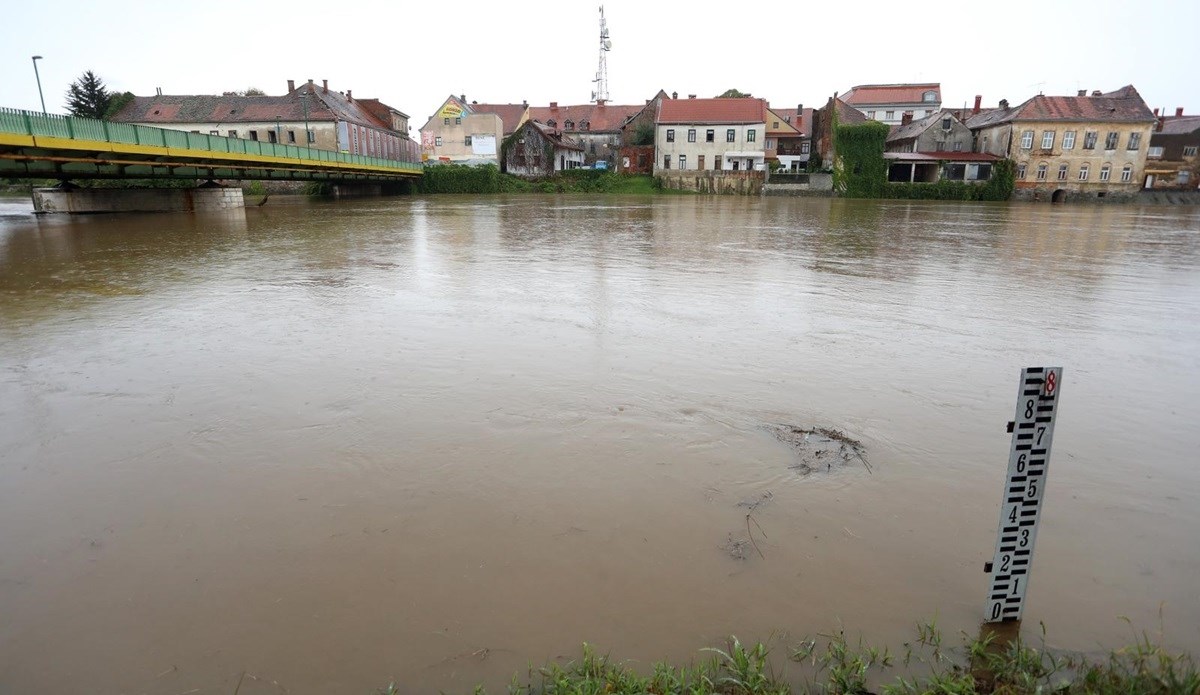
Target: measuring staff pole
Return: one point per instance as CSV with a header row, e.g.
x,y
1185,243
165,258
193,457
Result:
x,y
1024,487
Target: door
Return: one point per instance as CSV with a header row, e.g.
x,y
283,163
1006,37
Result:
x,y
700,162
562,162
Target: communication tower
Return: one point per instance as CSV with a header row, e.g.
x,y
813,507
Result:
x,y
600,94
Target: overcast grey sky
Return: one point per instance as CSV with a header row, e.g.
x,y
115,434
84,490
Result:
x,y
412,55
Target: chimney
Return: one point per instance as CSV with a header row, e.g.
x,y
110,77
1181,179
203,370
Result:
x,y
462,98
647,101
1159,125
1178,112
799,110
325,86
554,104
978,103
310,86
691,96
1082,93
524,102
158,91
1004,103
1156,113
674,95
1096,92
349,95
291,86
906,118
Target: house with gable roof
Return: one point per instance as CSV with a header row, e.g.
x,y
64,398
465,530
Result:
x,y
1172,162
887,103
938,147
309,115
1082,146
536,150
460,133
724,134
596,126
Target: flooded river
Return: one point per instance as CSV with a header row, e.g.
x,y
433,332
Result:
x,y
434,440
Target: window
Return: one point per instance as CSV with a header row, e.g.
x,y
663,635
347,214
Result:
x,y
1041,172
1154,153
467,141
1110,142
1135,141
710,135
1183,177
691,135
729,134
312,136
871,115
1027,140
1047,139
666,161
1069,140
458,120
929,96
1062,171
769,143
1104,172
804,148
958,146
1089,139
253,134
233,133
292,136
683,161
552,123
437,142
1083,172
1127,174
446,120
889,116
214,132
750,135
946,123
570,125
272,136
1189,151
1021,171
775,124
585,125
670,135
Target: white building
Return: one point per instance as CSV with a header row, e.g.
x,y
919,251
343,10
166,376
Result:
x,y
887,103
710,134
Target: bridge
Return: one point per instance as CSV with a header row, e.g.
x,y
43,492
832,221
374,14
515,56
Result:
x,y
40,146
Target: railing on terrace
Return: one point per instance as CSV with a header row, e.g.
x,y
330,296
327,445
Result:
x,y
21,122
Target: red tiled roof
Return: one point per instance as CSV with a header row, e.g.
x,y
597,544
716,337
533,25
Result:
x,y
728,110
868,94
942,156
804,125
599,117
1180,125
555,138
510,114
203,108
1124,105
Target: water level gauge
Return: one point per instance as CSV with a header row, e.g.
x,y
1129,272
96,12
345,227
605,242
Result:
x,y
1024,488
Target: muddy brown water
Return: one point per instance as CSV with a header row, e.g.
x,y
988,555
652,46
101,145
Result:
x,y
433,440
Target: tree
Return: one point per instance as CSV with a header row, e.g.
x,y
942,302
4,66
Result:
x,y
247,92
732,94
87,96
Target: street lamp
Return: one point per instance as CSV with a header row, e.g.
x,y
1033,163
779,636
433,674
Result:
x,y
39,81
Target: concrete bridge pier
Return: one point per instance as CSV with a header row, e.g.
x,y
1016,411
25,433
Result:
x,y
69,199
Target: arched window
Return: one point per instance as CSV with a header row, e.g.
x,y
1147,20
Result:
x,y
570,125
1083,172
929,96
1041,171
552,123
1127,173
1105,172
585,125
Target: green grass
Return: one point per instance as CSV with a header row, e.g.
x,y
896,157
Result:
x,y
832,665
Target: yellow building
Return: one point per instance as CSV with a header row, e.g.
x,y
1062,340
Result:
x,y
463,133
1080,147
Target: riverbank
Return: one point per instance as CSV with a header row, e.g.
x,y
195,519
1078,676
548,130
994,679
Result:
x,y
834,664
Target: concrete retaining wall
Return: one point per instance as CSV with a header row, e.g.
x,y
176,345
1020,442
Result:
x,y
96,200
713,181
815,184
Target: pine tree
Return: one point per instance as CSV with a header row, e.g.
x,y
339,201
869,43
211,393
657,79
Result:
x,y
87,97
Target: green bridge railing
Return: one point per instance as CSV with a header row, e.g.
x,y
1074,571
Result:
x,y
21,122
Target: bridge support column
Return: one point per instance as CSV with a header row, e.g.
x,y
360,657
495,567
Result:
x,y
94,200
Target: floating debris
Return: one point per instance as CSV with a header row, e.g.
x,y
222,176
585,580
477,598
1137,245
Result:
x,y
821,449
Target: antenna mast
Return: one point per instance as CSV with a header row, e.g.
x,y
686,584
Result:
x,y
600,95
